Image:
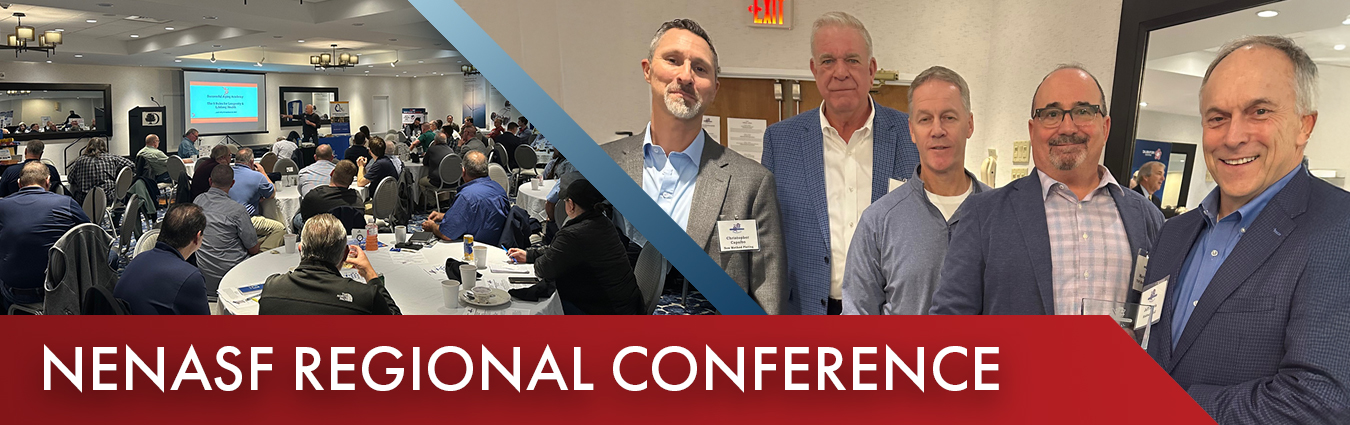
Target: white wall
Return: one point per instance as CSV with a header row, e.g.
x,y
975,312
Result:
x,y
133,86
1001,47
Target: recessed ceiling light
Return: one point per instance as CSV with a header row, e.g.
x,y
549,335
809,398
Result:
x,y
1339,47
1267,13
358,24
49,61
60,30
108,14
276,36
216,46
178,61
1143,104
1345,22
367,72
393,39
92,21
105,4
419,61
300,41
212,18
168,28
79,56
135,36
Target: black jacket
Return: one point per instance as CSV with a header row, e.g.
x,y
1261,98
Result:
x,y
590,266
510,142
1156,200
317,288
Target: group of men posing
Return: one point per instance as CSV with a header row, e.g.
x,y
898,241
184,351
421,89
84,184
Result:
x,y
864,209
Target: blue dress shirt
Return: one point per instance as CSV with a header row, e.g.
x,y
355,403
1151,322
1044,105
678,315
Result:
x,y
670,180
1210,250
479,210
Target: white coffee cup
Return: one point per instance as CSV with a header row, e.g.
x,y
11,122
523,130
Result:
x,y
400,234
290,243
468,275
480,256
534,184
450,290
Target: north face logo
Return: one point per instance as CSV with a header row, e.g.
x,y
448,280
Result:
x,y
345,297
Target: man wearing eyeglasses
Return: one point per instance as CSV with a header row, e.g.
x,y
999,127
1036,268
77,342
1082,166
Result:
x,y
1065,233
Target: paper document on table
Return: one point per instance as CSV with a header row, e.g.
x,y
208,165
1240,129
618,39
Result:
x,y
407,257
509,268
435,271
499,312
353,275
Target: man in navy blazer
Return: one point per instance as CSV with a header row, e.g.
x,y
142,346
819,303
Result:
x,y
831,163
1255,323
1064,233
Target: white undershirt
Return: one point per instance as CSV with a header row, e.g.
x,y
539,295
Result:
x,y
948,204
848,189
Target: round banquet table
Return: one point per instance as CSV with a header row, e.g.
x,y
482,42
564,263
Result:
x,y
408,279
283,206
533,200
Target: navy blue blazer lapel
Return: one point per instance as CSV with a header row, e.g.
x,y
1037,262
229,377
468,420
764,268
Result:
x,y
1133,219
1164,261
1261,239
1029,206
884,141
813,156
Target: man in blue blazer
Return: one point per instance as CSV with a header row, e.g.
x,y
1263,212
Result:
x,y
1255,323
1065,233
831,163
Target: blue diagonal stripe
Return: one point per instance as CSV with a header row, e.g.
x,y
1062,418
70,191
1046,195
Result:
x,y
639,209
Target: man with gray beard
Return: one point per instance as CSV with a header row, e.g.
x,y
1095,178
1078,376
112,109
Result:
x,y
1065,233
694,179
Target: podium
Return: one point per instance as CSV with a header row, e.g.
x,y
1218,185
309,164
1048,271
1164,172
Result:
x,y
143,121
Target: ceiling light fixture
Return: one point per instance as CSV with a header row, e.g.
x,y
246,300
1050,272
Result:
x,y
91,21
18,41
264,57
213,57
1267,13
1338,47
168,28
300,41
323,61
135,36
395,62
178,61
1143,104
468,69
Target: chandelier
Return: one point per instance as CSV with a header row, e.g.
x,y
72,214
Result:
x,y
333,60
468,69
16,92
18,41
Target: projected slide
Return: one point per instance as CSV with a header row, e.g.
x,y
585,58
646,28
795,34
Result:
x,y
224,102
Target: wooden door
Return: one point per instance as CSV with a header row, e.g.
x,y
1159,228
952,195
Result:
x,y
744,98
891,96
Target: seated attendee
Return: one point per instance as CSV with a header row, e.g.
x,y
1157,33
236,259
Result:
x,y
358,148
161,281
470,140
337,193
525,126
30,223
427,136
251,186
317,174
284,148
201,174
96,167
496,128
479,210
156,161
371,174
436,152
229,237
317,286
587,259
510,141
187,148
32,152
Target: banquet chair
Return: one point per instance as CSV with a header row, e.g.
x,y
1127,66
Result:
x,y
96,206
385,201
269,161
649,276
284,166
146,242
498,174
450,170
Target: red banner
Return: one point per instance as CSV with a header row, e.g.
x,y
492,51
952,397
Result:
x,y
614,370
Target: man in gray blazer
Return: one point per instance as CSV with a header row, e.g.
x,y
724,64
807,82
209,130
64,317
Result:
x,y
695,180
1065,233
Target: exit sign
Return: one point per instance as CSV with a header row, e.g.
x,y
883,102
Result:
x,y
770,13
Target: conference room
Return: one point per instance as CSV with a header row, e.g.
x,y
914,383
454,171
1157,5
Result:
x,y
216,142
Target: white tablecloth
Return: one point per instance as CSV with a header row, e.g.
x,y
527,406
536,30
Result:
x,y
283,206
418,171
414,290
533,200
542,157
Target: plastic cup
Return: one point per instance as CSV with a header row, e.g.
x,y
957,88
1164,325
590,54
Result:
x,y
450,290
534,184
480,256
400,234
468,275
290,243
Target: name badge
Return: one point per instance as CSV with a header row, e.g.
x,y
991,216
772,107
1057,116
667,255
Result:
x,y
737,235
1153,296
1140,268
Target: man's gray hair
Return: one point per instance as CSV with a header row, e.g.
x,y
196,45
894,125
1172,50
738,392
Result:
x,y
687,25
1150,167
244,156
940,73
1305,70
1063,66
440,139
476,164
34,173
324,239
840,19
